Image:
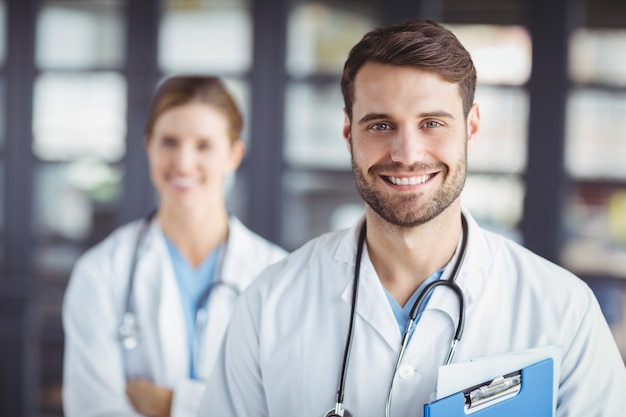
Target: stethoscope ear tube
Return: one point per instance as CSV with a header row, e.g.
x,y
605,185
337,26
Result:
x,y
457,267
128,331
338,410
429,289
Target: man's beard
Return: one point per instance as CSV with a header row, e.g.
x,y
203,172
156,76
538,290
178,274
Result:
x,y
405,211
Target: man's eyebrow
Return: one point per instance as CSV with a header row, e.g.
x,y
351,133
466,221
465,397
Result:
x,y
372,116
379,116
439,113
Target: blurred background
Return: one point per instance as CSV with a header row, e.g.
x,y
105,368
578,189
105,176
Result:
x,y
76,77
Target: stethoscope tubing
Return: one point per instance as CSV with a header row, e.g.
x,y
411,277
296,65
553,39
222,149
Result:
x,y
458,334
141,236
412,321
346,355
128,331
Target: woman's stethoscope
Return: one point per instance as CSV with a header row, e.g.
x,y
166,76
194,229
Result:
x,y
339,411
128,331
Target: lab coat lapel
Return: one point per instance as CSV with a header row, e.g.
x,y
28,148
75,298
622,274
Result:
x,y
170,320
172,328
372,304
471,278
221,301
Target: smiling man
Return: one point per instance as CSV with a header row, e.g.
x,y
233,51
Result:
x,y
357,322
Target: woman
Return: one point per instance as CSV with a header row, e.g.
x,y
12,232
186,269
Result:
x,y
145,310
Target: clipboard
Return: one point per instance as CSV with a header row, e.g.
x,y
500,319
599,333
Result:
x,y
527,392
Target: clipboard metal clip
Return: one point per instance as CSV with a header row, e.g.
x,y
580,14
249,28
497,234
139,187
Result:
x,y
499,389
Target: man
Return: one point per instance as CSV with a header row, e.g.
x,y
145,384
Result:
x,y
291,348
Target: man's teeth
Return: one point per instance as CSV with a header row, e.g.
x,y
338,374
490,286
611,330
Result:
x,y
409,180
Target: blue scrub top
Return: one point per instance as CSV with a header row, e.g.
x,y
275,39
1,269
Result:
x,y
192,284
402,313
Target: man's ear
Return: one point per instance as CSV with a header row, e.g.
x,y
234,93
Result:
x,y
346,130
473,125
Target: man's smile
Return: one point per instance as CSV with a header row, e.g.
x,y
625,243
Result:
x,y
414,180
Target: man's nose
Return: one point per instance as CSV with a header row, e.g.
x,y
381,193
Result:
x,y
406,146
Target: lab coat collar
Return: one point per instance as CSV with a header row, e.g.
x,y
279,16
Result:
x,y
371,291
471,280
472,277
235,259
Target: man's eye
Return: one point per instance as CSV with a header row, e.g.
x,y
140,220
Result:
x,y
432,124
380,126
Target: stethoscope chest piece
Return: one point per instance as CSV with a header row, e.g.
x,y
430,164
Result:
x,y
128,332
341,413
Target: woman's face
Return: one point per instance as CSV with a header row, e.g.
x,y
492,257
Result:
x,y
190,154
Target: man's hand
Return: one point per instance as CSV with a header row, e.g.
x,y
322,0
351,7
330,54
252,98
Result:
x,y
149,399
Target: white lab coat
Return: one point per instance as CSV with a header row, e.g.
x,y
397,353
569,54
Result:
x,y
96,367
283,351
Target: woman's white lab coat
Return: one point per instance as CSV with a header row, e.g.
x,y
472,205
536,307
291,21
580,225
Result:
x,y
283,352
96,366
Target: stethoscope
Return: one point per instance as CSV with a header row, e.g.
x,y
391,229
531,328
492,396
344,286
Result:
x,y
128,332
339,410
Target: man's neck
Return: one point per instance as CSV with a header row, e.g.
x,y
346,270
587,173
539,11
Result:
x,y
405,257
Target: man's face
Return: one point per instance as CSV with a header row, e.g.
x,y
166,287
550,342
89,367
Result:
x,y
408,139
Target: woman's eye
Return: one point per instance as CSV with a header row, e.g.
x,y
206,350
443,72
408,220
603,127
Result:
x,y
168,142
432,124
203,146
